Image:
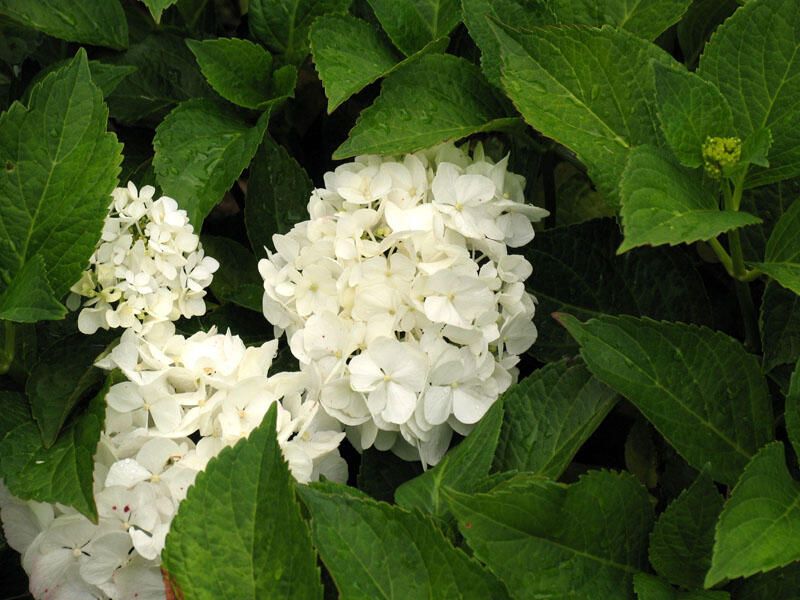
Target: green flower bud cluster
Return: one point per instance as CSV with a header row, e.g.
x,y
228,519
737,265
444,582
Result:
x,y
719,154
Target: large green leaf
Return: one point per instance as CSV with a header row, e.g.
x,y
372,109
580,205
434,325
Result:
x,y
104,75
63,374
460,468
665,203
698,387
282,25
241,71
645,19
166,73
451,100
690,110
96,22
61,473
200,150
278,190
648,587
548,416
782,256
759,75
374,550
779,321
585,88
237,279
683,537
350,53
578,271
60,168
29,296
545,540
412,24
757,529
242,517
522,14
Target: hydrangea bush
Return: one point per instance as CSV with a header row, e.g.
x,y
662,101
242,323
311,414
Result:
x,y
414,299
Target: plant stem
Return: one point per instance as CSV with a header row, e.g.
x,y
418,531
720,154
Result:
x,y
740,273
722,255
7,356
751,338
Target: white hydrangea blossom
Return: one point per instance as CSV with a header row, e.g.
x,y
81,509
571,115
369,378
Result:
x,y
209,386
148,265
399,298
184,400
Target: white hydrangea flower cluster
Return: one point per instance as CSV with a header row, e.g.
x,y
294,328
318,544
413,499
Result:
x,y
148,265
399,298
183,401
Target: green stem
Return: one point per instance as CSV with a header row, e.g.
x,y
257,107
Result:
x,y
7,356
722,255
740,273
751,339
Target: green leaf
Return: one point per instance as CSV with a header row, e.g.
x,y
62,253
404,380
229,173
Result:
x,y
237,279
578,271
779,583
779,322
166,73
760,77
698,387
242,517
239,70
96,22
63,374
104,75
412,24
792,415
350,53
690,110
756,531
460,468
61,473
374,550
282,25
645,19
545,540
548,417
665,203
200,150
683,537
584,88
60,168
451,100
156,7
17,42
768,202
648,587
15,411
782,256
522,14
277,195
29,297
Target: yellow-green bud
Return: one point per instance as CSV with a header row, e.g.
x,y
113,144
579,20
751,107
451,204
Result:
x,y
720,153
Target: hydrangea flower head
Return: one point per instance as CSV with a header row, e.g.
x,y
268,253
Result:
x,y
399,298
147,267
